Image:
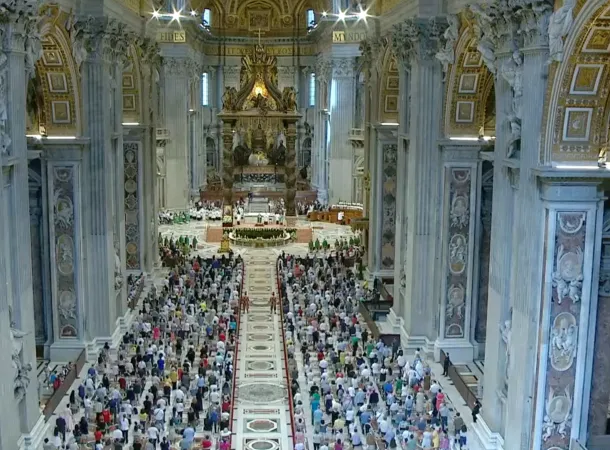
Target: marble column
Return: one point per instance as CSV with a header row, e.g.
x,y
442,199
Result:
x,y
458,248
176,73
18,52
415,46
227,162
291,174
321,129
150,80
103,264
197,143
400,232
341,119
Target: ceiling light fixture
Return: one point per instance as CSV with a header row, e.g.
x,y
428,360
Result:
x,y
362,14
155,14
577,167
389,124
193,12
324,14
176,15
341,15
131,124
61,137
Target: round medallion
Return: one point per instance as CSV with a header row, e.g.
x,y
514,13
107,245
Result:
x,y
131,248
559,408
570,266
260,365
131,186
261,393
67,305
261,425
571,223
260,337
564,337
457,254
64,254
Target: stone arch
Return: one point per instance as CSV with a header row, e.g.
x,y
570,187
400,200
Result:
x,y
217,11
469,85
576,111
389,88
53,97
132,87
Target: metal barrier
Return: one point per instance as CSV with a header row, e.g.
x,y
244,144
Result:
x,y
469,397
64,387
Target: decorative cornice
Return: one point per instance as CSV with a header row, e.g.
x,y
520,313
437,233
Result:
x,y
99,38
508,25
19,31
418,39
150,51
343,67
323,70
185,67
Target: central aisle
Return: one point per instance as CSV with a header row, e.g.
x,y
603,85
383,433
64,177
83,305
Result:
x,y
261,419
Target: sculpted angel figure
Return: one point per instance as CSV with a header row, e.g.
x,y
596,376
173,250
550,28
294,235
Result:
x,y
447,54
512,72
514,144
559,26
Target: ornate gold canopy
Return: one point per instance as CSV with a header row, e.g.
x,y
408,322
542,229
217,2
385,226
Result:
x,y
258,87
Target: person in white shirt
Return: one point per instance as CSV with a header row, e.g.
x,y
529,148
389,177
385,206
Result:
x,y
153,435
117,435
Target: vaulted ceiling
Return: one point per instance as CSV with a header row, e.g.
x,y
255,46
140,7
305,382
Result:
x,y
271,17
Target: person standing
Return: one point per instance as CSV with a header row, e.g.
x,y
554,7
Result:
x,y
273,303
446,364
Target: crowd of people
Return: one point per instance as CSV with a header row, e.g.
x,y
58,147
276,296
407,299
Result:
x,y
172,374
356,391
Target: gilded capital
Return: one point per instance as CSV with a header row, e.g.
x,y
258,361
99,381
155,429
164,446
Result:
x,y
343,67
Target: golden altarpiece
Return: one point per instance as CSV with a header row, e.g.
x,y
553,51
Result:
x,y
259,128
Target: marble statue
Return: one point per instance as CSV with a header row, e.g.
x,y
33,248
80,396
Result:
x,y
560,24
446,55
289,99
557,414
514,143
229,99
21,378
506,331
118,273
512,72
486,48
5,140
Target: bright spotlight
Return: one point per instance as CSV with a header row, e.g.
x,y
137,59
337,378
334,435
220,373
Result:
x,y
341,15
324,13
176,15
155,14
193,12
362,15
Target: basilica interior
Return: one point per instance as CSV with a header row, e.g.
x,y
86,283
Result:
x,y
461,144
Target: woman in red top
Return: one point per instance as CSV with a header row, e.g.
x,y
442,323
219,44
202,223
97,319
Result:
x,y
222,337
206,443
106,416
226,406
98,436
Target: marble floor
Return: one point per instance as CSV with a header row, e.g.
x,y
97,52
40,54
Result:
x,y
261,416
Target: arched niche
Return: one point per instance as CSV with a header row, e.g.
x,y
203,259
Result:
x,y
132,91
469,101
53,93
389,89
576,111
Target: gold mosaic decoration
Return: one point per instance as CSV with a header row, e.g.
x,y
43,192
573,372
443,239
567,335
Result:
x,y
271,17
469,84
131,88
390,88
579,113
53,104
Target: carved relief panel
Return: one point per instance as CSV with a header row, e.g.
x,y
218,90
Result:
x,y
131,161
458,254
566,321
64,239
388,201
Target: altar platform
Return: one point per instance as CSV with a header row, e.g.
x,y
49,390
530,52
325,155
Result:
x,y
268,191
304,233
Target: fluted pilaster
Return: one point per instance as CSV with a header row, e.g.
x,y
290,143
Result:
x,y
176,73
341,106
420,307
